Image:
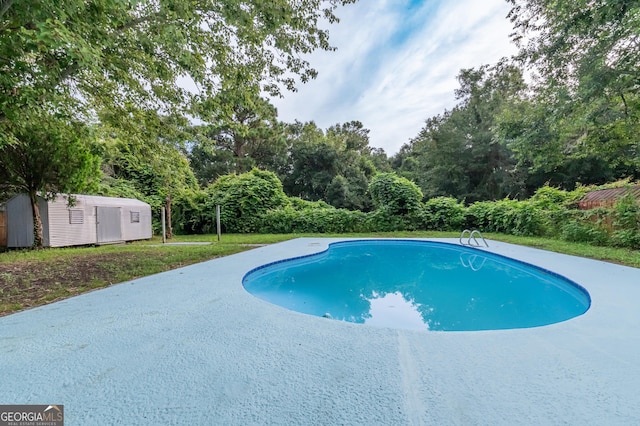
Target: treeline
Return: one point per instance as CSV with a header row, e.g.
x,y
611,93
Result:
x,y
101,109
256,202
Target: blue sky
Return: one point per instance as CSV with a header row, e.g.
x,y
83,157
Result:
x,y
396,64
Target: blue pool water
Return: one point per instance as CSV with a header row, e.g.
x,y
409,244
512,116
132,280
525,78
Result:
x,y
418,285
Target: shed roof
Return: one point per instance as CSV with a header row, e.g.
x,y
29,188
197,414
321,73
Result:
x,y
607,197
98,200
95,200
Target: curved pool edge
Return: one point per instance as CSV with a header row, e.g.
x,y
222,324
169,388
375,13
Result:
x,y
445,243
191,346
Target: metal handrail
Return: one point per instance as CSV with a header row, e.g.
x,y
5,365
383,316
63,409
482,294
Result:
x,y
472,235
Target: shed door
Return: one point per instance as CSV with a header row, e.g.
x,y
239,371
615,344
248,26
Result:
x,y
109,224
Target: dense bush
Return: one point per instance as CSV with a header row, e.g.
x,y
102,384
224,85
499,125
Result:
x,y
382,220
299,204
395,194
244,199
506,216
189,215
585,227
324,220
549,198
443,214
626,222
255,202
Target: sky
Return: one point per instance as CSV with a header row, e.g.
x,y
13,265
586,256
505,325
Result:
x,y
396,64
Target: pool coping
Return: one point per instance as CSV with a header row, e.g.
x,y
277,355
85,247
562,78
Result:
x,y
191,346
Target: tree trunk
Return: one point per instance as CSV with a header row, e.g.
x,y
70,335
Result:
x,y
38,240
169,233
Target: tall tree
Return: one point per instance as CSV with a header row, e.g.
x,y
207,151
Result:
x,y
154,165
243,132
335,166
79,58
132,54
587,93
48,155
457,153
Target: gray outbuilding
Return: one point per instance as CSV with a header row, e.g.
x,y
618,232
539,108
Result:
x,y
87,219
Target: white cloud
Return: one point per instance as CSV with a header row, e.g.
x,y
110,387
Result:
x,y
395,67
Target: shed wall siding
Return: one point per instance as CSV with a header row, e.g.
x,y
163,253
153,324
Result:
x,y
3,228
19,222
62,233
136,231
58,231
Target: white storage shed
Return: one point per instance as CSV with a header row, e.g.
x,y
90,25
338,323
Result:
x,y
89,219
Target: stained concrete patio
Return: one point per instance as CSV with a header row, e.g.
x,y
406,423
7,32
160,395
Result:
x,y
191,346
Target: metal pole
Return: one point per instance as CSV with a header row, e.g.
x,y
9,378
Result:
x,y
164,226
218,220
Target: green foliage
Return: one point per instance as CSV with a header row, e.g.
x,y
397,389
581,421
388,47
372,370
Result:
x,y
383,220
335,167
300,204
244,199
48,155
506,216
581,123
242,132
626,222
584,232
396,195
129,55
313,220
443,214
189,215
458,153
547,197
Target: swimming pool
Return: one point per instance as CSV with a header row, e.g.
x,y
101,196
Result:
x,y
418,285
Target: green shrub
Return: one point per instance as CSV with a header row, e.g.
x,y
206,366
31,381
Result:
x,y
626,222
443,214
331,220
188,215
382,220
548,198
626,238
584,232
506,216
300,204
244,199
626,214
396,194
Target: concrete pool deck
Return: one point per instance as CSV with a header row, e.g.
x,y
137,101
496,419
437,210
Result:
x,y
191,346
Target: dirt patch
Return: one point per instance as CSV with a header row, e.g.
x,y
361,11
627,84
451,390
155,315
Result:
x,y
32,283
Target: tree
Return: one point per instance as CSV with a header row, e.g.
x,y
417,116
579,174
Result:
x,y
126,55
155,166
585,55
48,155
122,59
335,167
458,153
588,46
245,198
243,132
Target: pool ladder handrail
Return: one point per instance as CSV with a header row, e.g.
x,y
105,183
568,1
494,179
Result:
x,y
472,235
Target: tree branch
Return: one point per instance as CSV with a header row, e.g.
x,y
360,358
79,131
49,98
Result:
x,y
4,6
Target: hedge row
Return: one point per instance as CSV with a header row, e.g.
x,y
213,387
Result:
x,y
255,202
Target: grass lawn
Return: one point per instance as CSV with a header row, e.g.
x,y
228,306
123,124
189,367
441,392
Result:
x,y
30,278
